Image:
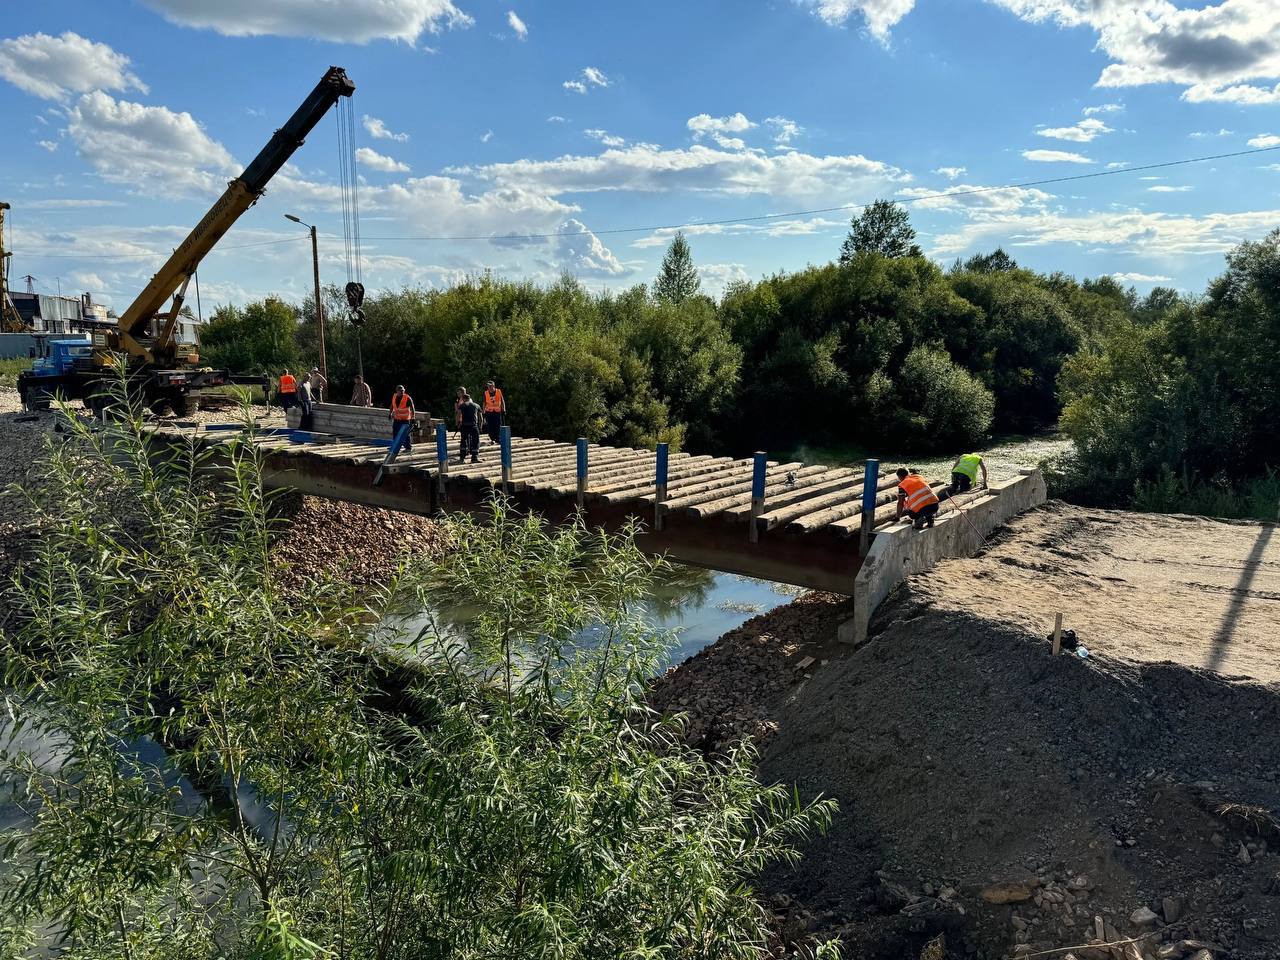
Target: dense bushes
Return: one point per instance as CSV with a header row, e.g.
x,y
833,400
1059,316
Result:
x,y
1178,405
882,348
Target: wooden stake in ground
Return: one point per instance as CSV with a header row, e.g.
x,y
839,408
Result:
x,y
1057,634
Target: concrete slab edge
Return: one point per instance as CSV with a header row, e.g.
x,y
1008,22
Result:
x,y
900,552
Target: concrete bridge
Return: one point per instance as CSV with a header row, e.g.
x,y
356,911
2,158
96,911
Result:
x,y
826,528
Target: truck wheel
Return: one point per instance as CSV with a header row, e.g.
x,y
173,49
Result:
x,y
181,404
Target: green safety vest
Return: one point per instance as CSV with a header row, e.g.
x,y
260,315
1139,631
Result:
x,y
968,466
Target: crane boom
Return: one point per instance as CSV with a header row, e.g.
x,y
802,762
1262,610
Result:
x,y
241,193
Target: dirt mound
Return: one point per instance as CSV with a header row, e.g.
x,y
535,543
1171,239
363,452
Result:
x,y
1108,798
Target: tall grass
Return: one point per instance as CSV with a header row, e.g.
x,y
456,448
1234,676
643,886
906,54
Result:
x,y
1257,499
9,370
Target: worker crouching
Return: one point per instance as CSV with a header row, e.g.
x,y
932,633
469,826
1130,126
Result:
x,y
916,499
401,414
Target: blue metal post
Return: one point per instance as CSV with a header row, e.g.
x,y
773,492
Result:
x,y
442,459
504,438
582,472
660,486
870,485
757,494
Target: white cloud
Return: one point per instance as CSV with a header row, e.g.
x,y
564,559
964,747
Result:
x,y
150,148
379,130
595,77
1054,156
951,173
575,86
772,229
556,118
967,198
1140,278
50,145
377,161
1103,108
1264,141
352,21
1137,231
1117,164
517,25
880,15
54,68
719,128
486,136
1204,135
1216,52
1165,188
647,168
580,251
784,130
717,277
605,137
1084,131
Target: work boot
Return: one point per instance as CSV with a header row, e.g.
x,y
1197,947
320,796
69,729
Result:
x,y
929,523
475,459
917,523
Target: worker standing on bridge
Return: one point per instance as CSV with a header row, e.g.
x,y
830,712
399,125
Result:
x,y
307,400
964,475
916,499
361,395
288,390
468,426
319,385
495,407
402,412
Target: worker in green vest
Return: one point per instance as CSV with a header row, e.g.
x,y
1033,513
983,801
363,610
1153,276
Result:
x,y
964,475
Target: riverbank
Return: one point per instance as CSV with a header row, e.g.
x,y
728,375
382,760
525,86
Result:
x,y
1010,801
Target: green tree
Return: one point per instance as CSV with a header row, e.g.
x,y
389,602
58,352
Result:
x,y
994,262
883,227
677,278
261,337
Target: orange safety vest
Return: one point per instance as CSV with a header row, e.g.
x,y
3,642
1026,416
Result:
x,y
288,384
402,408
493,401
917,492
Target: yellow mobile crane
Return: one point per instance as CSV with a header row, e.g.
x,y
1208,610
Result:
x,y
160,368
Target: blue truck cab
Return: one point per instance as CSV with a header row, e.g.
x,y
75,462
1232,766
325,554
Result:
x,y
61,357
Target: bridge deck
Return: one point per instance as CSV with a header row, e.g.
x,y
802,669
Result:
x,y
806,529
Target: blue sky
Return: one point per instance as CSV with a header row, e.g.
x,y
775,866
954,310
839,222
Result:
x,y
574,119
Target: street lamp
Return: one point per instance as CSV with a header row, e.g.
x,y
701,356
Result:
x,y
315,266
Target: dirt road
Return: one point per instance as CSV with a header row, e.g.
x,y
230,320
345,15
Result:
x,y
1143,587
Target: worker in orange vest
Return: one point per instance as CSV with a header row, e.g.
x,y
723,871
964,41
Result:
x,y
916,499
401,413
495,407
288,390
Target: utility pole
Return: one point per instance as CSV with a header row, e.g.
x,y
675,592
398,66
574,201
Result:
x,y
315,269
10,321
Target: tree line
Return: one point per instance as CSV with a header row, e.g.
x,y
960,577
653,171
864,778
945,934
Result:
x,y
881,349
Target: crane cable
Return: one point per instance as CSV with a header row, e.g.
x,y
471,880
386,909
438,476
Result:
x,y
344,111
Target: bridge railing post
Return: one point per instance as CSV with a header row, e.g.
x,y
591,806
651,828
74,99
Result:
x,y
660,486
442,460
504,438
870,485
582,472
757,494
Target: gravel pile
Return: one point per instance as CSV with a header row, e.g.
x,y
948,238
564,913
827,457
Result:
x,y
358,544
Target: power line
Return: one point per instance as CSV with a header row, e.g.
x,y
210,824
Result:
x,y
760,218
148,256
848,206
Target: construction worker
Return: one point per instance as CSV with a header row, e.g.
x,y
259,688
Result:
x,y
288,390
361,395
495,407
307,400
964,475
402,412
468,416
318,385
916,499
